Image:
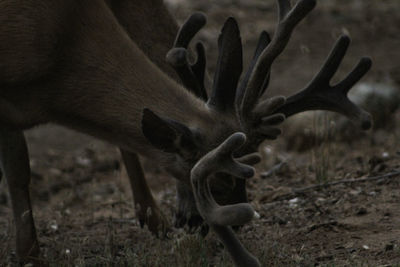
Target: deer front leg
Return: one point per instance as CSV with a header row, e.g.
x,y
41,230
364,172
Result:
x,y
14,162
146,207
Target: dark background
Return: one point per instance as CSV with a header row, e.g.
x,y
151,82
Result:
x,y
83,206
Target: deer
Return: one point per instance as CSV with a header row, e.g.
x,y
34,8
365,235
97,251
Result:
x,y
75,63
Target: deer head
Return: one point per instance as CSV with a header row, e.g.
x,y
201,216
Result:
x,y
243,109
243,101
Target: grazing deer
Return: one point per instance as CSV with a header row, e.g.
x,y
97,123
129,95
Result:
x,y
73,63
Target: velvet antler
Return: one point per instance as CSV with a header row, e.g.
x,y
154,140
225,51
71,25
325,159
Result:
x,y
221,217
191,75
288,18
229,68
319,94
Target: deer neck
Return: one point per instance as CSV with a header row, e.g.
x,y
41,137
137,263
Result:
x,y
105,81
155,38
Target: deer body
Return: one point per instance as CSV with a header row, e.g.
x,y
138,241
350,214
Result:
x,y
91,77
71,63
93,66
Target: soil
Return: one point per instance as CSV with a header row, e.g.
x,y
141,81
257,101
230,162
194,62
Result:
x,y
83,206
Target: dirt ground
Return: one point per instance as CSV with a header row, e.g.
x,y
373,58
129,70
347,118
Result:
x,y
83,206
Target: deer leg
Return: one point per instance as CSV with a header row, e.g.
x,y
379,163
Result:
x,y
146,207
14,162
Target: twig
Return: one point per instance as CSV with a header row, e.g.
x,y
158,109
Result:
x,y
303,190
347,181
273,170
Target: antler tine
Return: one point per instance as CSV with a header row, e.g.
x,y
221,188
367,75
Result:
x,y
363,66
319,94
263,41
189,29
192,76
229,67
334,59
199,67
288,19
177,57
221,217
333,62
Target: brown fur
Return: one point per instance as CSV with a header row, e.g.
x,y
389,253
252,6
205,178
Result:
x,y
153,28
78,64
89,76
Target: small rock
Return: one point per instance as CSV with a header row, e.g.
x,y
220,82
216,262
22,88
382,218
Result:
x,y
355,192
365,247
67,212
53,226
83,162
293,202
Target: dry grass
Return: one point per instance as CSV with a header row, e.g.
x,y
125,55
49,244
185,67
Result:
x,y
345,225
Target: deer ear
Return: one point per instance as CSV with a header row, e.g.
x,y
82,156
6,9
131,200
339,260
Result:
x,y
167,135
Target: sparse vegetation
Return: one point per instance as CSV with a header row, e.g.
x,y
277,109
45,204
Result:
x,y
85,215
322,149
